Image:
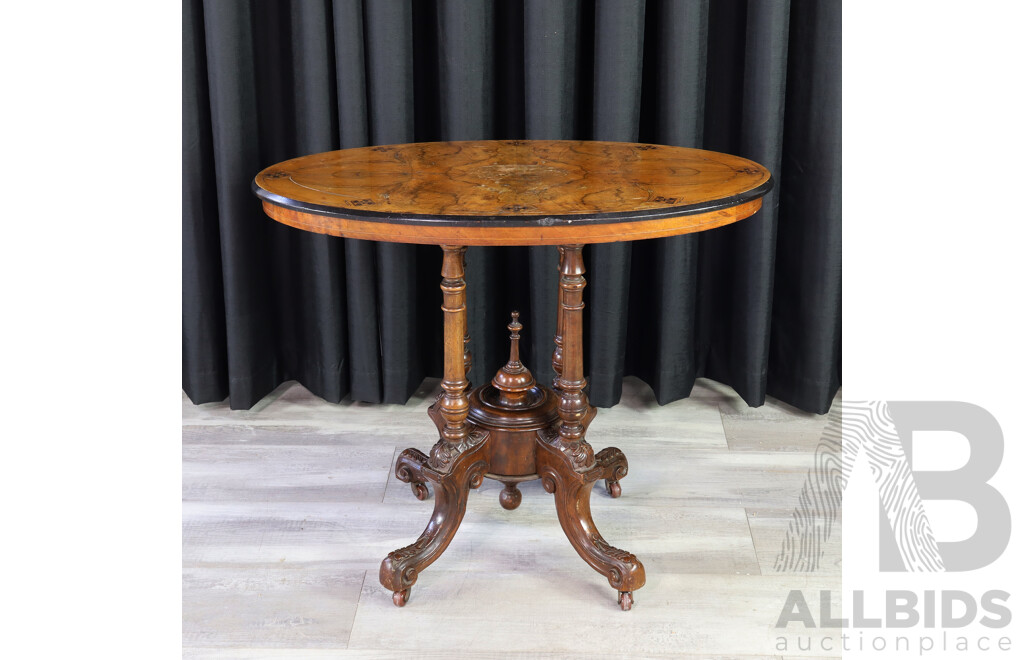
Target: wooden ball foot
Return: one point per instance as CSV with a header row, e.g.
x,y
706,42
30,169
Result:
x,y
614,489
400,598
510,496
419,489
626,600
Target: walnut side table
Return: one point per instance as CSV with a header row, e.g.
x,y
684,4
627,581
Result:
x,y
512,192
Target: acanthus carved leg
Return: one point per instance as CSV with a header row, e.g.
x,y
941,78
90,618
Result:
x,y
458,461
572,491
566,462
401,568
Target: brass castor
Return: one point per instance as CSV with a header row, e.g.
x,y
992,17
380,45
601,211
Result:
x,y
626,600
400,598
510,496
614,489
419,489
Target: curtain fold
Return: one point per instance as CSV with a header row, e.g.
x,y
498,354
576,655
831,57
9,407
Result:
x,y
741,259
754,305
251,342
805,344
664,273
204,335
618,68
551,63
391,94
359,280
465,29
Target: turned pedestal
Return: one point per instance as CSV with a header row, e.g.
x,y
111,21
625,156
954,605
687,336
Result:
x,y
513,430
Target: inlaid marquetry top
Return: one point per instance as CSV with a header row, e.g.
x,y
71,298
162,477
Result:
x,y
512,192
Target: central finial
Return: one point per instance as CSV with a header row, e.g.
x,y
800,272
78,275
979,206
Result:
x,y
513,378
514,327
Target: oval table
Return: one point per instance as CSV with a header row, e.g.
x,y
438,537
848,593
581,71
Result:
x,y
512,192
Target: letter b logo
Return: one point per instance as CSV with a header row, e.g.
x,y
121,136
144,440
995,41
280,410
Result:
x,y
967,484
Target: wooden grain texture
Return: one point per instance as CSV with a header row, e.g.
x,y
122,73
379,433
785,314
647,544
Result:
x,y
556,234
512,192
513,179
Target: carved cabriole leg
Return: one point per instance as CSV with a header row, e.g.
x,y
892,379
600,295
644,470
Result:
x,y
566,463
450,411
458,461
572,500
401,568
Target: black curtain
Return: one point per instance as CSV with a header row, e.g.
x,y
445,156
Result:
x,y
755,305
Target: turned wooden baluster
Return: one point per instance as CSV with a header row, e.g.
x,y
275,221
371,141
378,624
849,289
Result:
x,y
454,404
467,355
516,387
565,461
573,405
457,462
556,356
450,284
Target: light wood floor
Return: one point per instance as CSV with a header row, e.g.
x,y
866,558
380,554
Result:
x,y
289,508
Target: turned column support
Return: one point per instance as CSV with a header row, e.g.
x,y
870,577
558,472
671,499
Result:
x,y
456,434
556,356
573,406
454,404
467,355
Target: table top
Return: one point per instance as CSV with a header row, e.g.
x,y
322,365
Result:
x,y
512,192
